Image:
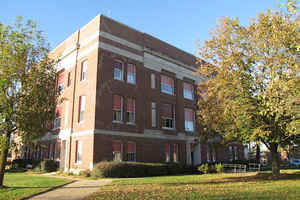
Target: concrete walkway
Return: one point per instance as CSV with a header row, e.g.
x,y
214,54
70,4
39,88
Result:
x,y
73,191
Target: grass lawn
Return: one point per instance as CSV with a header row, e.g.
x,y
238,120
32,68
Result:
x,y
22,185
210,186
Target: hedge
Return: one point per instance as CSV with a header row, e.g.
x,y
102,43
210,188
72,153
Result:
x,y
138,169
23,163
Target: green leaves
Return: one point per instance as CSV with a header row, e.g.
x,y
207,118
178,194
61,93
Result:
x,y
253,87
28,95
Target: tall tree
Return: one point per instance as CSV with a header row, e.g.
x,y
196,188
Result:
x,y
28,94
251,81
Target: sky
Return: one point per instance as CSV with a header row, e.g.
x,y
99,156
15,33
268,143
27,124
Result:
x,y
179,23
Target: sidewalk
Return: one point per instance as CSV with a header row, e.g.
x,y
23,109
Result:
x,y
73,191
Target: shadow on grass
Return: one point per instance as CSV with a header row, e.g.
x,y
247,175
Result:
x,y
260,177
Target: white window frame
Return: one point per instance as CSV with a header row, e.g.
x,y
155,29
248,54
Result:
x,y
133,113
57,123
214,155
189,125
131,78
165,88
131,154
121,74
69,81
168,154
175,154
167,118
119,152
230,153
208,155
153,115
81,108
235,153
78,152
84,66
153,81
187,94
121,112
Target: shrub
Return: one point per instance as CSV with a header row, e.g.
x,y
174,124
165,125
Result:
x,y
175,168
136,169
49,165
23,163
207,168
219,168
85,173
203,168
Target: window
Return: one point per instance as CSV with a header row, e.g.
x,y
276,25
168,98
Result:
x,y
117,153
81,108
189,119
49,151
131,74
117,108
60,81
54,151
214,155
69,79
175,152
66,113
78,155
130,110
153,114
118,70
230,155
167,152
57,120
83,70
130,151
208,154
167,85
235,153
153,81
168,116
188,91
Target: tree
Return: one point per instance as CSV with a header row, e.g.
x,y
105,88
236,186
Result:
x,y
28,93
251,82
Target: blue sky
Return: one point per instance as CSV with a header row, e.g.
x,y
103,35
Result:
x,y
179,23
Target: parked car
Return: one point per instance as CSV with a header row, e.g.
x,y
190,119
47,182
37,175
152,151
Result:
x,y
295,162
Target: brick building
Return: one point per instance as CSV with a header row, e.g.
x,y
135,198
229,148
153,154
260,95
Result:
x,y
128,96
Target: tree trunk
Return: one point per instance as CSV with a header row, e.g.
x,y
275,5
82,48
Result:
x,y
3,158
275,159
257,156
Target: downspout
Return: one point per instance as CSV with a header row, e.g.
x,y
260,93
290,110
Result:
x,y
73,104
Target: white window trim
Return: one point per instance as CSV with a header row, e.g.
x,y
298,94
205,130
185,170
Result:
x,y
168,154
122,74
153,115
81,79
134,81
177,153
121,151
187,97
134,114
121,121
166,91
153,81
81,109
134,160
78,162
